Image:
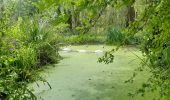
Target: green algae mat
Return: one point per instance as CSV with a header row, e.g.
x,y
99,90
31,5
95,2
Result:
x,y
80,77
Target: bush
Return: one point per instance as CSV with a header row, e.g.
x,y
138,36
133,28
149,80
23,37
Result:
x,y
44,41
114,36
83,39
25,58
24,47
16,72
47,54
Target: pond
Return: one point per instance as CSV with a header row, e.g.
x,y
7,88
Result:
x,y
80,77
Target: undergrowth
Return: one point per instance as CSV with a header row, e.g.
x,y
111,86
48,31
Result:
x,y
24,48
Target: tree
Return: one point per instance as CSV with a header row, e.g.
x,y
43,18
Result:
x,y
153,22
130,15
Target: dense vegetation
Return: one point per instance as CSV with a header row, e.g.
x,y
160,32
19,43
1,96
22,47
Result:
x,y
31,31
25,45
153,24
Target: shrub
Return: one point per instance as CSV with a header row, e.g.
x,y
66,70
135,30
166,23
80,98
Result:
x,y
23,48
83,39
44,41
15,76
47,54
114,36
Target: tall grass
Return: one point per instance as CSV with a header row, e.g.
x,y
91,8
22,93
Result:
x,y
114,36
17,69
24,47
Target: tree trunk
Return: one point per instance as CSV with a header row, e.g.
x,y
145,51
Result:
x,y
130,15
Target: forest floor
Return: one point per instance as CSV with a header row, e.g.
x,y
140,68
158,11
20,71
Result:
x,y
80,77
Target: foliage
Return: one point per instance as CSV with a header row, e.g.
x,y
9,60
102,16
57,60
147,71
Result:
x,y
47,53
83,39
44,42
80,15
28,38
117,37
25,45
17,69
107,58
114,36
154,23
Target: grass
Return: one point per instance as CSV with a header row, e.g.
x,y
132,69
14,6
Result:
x,y
80,77
24,48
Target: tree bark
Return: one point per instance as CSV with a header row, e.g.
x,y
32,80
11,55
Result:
x,y
130,15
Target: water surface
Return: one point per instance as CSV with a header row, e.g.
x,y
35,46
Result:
x,y
80,77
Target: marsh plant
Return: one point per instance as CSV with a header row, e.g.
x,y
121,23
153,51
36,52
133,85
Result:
x,y
25,45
